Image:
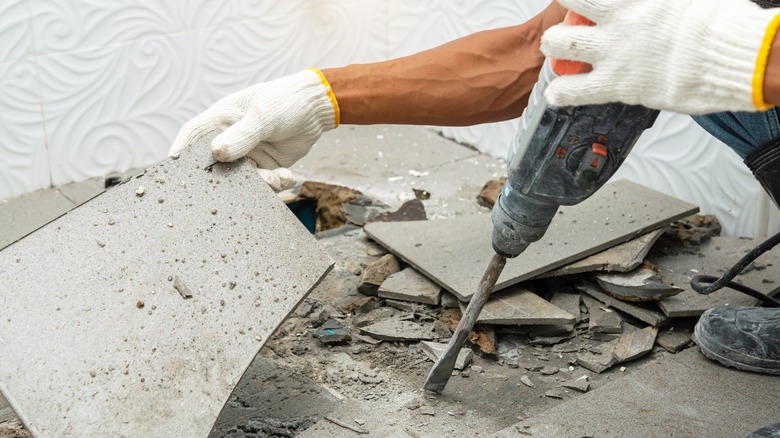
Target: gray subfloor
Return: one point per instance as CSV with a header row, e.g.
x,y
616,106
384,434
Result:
x,y
667,396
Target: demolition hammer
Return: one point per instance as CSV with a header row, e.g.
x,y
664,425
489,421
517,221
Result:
x,y
559,156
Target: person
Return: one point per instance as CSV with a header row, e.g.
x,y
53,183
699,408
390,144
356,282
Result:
x,y
718,60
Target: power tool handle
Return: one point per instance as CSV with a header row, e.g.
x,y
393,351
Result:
x,y
566,67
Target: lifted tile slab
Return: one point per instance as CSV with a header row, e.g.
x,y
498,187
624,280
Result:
x,y
410,285
621,258
521,307
679,265
455,252
96,340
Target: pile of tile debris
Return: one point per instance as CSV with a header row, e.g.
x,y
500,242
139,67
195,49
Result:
x,y
601,311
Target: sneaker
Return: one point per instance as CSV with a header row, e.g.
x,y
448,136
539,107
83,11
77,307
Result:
x,y
746,338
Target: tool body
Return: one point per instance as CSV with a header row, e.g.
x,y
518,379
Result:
x,y
560,156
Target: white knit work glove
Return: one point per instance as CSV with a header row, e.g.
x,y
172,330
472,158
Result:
x,y
273,124
687,56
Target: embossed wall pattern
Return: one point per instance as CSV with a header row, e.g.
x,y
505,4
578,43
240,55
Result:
x,y
88,87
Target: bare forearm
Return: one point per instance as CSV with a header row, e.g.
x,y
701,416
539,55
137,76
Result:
x,y
772,78
484,77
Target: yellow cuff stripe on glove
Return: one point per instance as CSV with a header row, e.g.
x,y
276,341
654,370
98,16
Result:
x,y
331,96
761,62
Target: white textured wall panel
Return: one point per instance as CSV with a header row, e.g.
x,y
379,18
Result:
x,y
117,78
24,164
15,34
314,34
67,25
119,106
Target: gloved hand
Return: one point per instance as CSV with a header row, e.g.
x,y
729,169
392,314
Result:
x,y
688,56
273,124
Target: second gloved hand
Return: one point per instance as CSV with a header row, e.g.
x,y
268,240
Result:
x,y
274,124
688,56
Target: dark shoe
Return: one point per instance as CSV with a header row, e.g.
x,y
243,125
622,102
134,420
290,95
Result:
x,y
772,431
747,338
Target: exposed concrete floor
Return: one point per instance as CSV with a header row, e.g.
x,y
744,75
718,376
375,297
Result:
x,y
295,380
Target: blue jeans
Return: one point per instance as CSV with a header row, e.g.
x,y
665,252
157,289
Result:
x,y
742,132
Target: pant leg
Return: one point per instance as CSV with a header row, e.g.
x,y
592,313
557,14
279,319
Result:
x,y
743,132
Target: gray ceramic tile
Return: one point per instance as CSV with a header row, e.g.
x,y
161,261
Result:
x,y
713,257
384,162
93,328
681,395
455,252
25,214
83,191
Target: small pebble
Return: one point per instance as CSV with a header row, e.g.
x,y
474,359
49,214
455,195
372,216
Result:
x,y
170,225
140,191
139,304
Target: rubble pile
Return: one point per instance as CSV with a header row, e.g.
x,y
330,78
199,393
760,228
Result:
x,y
569,324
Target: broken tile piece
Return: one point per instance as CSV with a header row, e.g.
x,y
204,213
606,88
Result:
x,y
397,330
366,339
555,393
631,345
634,344
410,285
677,336
602,320
578,231
621,258
376,273
448,301
569,303
645,312
332,332
640,285
435,349
598,359
521,307
581,384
